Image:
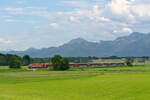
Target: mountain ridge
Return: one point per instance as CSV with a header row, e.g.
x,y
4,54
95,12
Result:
x,y
135,44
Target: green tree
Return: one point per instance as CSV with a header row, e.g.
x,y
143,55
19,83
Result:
x,y
56,62
129,61
64,64
26,60
3,61
60,63
14,62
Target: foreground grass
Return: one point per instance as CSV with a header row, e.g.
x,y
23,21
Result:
x,y
106,83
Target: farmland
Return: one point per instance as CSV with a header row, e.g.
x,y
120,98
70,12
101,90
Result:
x,y
105,83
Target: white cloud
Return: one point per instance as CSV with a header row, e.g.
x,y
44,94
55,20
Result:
x,y
126,29
24,8
29,10
131,10
36,8
119,6
55,25
115,31
5,41
10,20
6,16
14,9
78,14
94,13
142,10
74,19
103,19
96,10
75,3
45,14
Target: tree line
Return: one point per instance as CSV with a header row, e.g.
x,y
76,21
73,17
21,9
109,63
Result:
x,y
9,59
14,61
59,62
26,59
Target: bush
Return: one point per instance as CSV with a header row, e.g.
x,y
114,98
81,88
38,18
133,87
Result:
x,y
14,62
60,63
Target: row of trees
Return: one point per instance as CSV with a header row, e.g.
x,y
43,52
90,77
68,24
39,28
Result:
x,y
14,61
25,60
59,63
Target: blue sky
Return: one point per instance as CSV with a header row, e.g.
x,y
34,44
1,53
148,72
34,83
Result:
x,y
45,23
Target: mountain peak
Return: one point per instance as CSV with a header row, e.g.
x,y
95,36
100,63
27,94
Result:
x,y
77,40
134,34
31,49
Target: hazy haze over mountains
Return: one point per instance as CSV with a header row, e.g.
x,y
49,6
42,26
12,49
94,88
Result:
x,y
136,44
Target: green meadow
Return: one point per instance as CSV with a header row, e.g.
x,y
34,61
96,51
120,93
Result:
x,y
85,83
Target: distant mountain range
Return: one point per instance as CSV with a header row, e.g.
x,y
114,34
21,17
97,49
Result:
x,y
136,44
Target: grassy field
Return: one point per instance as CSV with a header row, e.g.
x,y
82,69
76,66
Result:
x,y
97,83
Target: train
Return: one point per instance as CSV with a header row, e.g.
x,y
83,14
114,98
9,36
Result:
x,y
31,66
